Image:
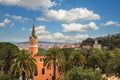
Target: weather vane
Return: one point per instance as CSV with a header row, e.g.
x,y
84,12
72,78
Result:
x,y
33,19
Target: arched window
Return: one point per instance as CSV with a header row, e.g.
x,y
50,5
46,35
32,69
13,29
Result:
x,y
43,71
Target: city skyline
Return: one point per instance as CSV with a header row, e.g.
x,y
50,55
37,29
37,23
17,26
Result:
x,y
58,20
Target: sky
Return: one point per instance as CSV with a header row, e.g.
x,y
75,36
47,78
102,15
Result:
x,y
58,20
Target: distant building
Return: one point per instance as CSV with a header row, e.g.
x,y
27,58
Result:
x,y
68,46
77,46
96,45
86,46
23,46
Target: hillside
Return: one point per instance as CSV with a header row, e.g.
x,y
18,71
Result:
x,y
109,41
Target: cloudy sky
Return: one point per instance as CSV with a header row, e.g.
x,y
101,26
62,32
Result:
x,y
58,20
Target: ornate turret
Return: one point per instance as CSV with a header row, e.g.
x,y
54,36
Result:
x,y
33,42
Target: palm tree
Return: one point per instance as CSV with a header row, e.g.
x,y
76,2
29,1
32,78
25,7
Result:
x,y
77,59
55,59
95,60
23,65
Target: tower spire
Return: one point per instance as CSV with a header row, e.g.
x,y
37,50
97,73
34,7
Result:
x,y
33,31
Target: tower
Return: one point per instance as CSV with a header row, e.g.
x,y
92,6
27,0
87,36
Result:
x,y
96,45
33,42
96,42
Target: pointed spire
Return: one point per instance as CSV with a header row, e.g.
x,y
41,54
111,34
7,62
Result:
x,y
33,31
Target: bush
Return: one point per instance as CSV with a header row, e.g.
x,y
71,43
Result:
x,y
80,74
5,77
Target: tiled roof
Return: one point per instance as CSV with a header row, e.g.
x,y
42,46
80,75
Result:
x,y
41,51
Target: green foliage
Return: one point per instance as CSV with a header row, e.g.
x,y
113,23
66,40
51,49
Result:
x,y
67,52
110,41
115,52
55,58
23,64
80,74
95,59
113,65
5,77
7,53
77,59
88,41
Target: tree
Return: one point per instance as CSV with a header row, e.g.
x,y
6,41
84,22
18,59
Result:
x,y
88,41
5,77
23,65
113,65
55,58
7,53
77,59
95,60
110,41
67,52
77,73
105,57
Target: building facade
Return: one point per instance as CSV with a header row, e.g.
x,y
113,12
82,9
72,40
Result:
x,y
96,45
39,54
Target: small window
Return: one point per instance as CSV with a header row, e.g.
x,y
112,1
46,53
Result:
x,y
41,59
43,71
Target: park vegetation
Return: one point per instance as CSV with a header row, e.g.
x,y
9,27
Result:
x,y
15,63
85,64
109,41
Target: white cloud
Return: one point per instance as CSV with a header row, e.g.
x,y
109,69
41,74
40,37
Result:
x,y
6,22
23,29
76,27
75,14
45,35
40,30
2,24
59,36
29,4
79,36
109,23
8,15
19,18
41,19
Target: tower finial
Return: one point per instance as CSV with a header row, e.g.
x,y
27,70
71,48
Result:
x,y
33,20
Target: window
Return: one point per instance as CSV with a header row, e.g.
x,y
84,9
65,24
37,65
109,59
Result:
x,y
41,59
43,71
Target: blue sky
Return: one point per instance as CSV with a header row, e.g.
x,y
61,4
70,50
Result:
x,y
58,20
